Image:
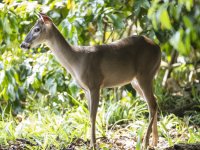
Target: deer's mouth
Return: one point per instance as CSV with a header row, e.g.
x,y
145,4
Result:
x,y
25,45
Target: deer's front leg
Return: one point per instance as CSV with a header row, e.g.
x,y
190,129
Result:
x,y
93,101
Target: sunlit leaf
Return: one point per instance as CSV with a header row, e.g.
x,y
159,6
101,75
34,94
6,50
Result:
x,y
164,18
70,4
187,22
4,94
189,4
11,92
177,42
8,1
154,22
6,26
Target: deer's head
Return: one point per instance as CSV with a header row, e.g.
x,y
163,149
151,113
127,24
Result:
x,y
38,33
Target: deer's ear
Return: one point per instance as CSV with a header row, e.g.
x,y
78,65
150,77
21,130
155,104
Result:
x,y
45,18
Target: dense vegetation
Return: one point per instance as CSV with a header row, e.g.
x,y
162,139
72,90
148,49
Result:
x,y
40,102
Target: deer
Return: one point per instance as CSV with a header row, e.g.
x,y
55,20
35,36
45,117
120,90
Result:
x,y
135,59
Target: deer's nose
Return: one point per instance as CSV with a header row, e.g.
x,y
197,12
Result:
x,y
25,45
22,45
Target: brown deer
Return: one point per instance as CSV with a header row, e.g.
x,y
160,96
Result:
x,y
134,60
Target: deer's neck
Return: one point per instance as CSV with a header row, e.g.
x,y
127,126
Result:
x,y
63,51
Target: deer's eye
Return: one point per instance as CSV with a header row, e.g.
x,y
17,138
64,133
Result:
x,y
36,29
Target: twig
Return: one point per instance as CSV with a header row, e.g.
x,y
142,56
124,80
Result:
x,y
109,36
130,28
174,56
104,34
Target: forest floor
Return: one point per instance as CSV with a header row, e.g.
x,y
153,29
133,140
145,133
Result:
x,y
120,125
118,137
120,143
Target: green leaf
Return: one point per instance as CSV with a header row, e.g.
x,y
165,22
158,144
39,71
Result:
x,y
117,21
100,24
36,83
164,19
51,85
10,76
11,92
2,78
73,88
187,22
1,25
154,22
189,4
142,3
177,42
53,89
6,26
65,27
73,35
4,94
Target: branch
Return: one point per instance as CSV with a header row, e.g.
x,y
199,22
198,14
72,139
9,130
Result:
x,y
174,56
105,29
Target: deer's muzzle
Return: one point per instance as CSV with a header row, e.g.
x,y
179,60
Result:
x,y
25,45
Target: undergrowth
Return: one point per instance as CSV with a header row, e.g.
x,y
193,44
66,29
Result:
x,y
120,125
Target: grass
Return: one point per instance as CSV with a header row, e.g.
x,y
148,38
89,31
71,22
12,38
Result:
x,y
120,125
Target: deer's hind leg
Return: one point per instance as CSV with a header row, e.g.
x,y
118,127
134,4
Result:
x,y
144,87
136,86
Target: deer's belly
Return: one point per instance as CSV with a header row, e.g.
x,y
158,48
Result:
x,y
111,84
114,80
117,71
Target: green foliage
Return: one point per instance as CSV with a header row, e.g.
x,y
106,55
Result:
x,y
181,19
